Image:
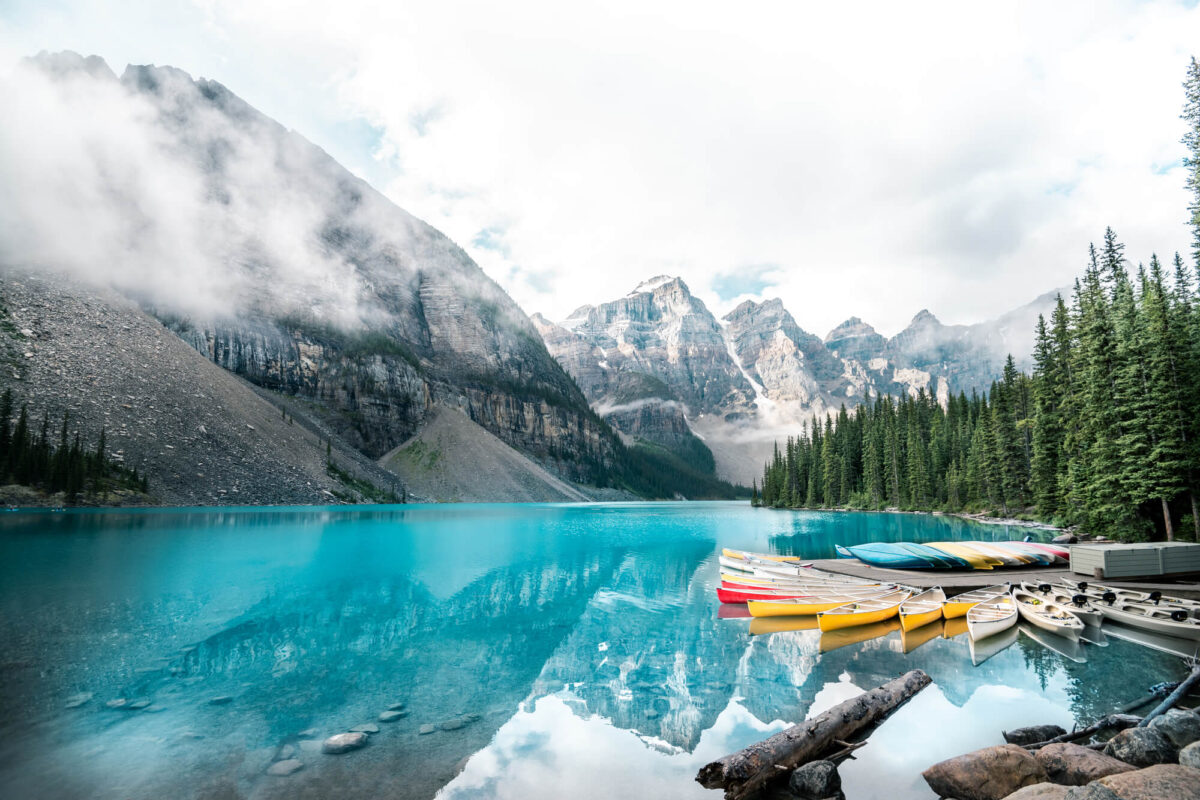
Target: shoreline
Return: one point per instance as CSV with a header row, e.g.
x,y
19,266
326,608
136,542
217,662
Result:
x,y
984,519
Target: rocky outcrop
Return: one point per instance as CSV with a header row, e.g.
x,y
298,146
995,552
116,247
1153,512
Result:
x,y
1142,747
1040,791
1180,726
1154,783
1033,734
992,773
1074,765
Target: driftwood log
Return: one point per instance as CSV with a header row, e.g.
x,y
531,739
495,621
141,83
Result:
x,y
1174,697
747,771
1111,722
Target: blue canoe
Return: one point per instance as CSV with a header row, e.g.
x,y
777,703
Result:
x,y
883,554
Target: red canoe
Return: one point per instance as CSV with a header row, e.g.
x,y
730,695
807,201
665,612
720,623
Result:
x,y
742,596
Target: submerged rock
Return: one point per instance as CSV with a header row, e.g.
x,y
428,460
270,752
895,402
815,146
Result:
x,y
392,716
138,705
77,700
222,700
397,706
309,733
367,727
1040,791
1033,734
992,773
286,767
119,702
310,746
1073,765
1179,726
1142,747
344,743
426,728
816,780
452,724
286,752
1160,782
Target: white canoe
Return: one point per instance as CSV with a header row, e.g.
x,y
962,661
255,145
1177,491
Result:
x,y
1047,615
1077,603
991,617
1162,619
960,604
1096,591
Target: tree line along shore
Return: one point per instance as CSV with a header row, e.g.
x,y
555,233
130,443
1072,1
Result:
x,y
1103,434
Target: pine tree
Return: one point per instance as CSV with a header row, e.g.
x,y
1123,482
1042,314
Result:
x,y
1191,140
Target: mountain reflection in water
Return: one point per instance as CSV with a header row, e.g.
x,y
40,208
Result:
x,y
564,649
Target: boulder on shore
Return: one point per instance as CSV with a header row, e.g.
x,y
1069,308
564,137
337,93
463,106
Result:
x,y
1065,538
1073,765
1159,782
1190,755
1040,791
344,743
1142,747
1033,734
815,780
1179,726
992,773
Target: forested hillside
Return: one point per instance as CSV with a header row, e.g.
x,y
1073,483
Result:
x,y
1102,434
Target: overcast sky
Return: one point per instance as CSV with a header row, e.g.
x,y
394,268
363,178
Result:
x,y
853,159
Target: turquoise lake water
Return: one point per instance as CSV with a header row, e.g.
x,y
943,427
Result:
x,y
571,651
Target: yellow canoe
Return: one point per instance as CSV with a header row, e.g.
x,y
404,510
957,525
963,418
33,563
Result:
x,y
832,640
922,609
862,612
761,625
743,554
973,557
960,604
803,606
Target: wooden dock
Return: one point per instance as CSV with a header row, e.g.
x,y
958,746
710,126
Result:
x,y
957,582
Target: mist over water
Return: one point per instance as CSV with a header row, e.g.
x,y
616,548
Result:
x,y
552,641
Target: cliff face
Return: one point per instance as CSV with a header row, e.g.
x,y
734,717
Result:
x,y
328,293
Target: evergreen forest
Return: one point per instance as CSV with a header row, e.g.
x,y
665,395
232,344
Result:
x,y
1104,433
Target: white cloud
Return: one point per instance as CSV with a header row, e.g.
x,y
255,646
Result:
x,y
956,157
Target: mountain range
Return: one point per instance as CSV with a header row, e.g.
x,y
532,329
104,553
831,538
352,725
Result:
x,y
338,347
659,366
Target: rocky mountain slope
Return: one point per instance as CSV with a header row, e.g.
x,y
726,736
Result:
x,y
275,263
202,435
660,367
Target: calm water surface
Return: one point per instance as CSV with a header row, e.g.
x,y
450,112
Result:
x,y
572,651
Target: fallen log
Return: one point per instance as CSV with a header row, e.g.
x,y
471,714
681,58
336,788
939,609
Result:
x,y
1153,693
1112,721
1174,697
742,773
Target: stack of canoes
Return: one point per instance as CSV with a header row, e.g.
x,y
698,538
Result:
x,y
774,587
955,555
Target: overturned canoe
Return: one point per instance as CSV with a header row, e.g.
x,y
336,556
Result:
x,y
887,554
960,604
922,609
975,559
863,612
1022,549
1008,558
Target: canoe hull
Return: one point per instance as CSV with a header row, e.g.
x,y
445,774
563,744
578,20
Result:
x,y
911,622
833,622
